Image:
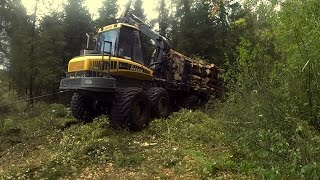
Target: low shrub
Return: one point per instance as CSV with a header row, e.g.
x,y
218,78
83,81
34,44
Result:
x,y
60,111
5,108
267,143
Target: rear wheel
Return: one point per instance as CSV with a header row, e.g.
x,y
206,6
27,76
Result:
x,y
131,109
159,102
82,107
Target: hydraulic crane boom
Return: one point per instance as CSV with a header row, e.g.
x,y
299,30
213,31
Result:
x,y
163,46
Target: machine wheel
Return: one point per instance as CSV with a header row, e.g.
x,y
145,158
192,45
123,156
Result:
x,y
190,102
159,102
131,109
82,107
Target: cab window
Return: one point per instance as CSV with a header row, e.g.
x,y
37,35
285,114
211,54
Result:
x,y
137,49
107,36
130,45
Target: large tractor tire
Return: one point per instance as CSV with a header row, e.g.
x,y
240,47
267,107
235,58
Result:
x,y
82,107
160,102
131,109
190,102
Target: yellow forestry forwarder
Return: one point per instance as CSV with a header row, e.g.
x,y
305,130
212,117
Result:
x,y
119,78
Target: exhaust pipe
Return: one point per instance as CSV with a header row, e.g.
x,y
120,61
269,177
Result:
x,y
88,39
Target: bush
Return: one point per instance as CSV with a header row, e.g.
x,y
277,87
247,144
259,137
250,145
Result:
x,y
86,141
267,143
4,108
60,111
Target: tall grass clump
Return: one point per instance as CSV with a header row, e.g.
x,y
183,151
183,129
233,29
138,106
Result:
x,y
4,108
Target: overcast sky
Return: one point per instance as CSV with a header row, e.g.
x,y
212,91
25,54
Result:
x,y
45,6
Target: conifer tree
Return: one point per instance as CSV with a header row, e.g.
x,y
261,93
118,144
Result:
x,y
50,49
77,23
107,13
15,45
185,35
163,18
138,10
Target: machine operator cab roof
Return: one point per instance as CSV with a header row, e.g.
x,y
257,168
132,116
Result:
x,y
117,25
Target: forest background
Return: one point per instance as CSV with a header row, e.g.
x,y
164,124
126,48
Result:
x,y
269,51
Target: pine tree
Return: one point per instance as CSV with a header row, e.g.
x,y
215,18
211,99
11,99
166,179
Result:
x,y
173,24
50,49
16,27
138,10
3,37
186,27
203,29
163,18
204,43
77,23
108,13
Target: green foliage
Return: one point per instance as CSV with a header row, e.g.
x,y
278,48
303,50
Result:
x,y
138,10
16,46
236,140
163,18
268,109
267,144
107,13
5,106
60,111
50,49
85,142
54,148
125,159
77,22
35,62
297,47
205,28
184,34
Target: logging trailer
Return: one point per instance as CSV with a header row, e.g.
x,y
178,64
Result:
x,y
121,79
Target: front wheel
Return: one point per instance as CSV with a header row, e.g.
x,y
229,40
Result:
x,y
82,107
131,109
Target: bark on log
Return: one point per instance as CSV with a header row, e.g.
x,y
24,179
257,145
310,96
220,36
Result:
x,y
200,74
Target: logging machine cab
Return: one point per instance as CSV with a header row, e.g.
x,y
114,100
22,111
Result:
x,y
119,51
123,41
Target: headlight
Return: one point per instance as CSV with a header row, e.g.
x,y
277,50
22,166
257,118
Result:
x,y
88,82
76,66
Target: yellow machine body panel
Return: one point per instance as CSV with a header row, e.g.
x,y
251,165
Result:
x,y
115,26
118,66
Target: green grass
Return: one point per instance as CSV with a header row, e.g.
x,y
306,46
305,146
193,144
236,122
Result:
x,y
46,142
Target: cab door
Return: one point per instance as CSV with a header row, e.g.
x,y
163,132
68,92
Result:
x,y
130,45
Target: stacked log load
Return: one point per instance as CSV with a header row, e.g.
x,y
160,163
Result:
x,y
200,74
